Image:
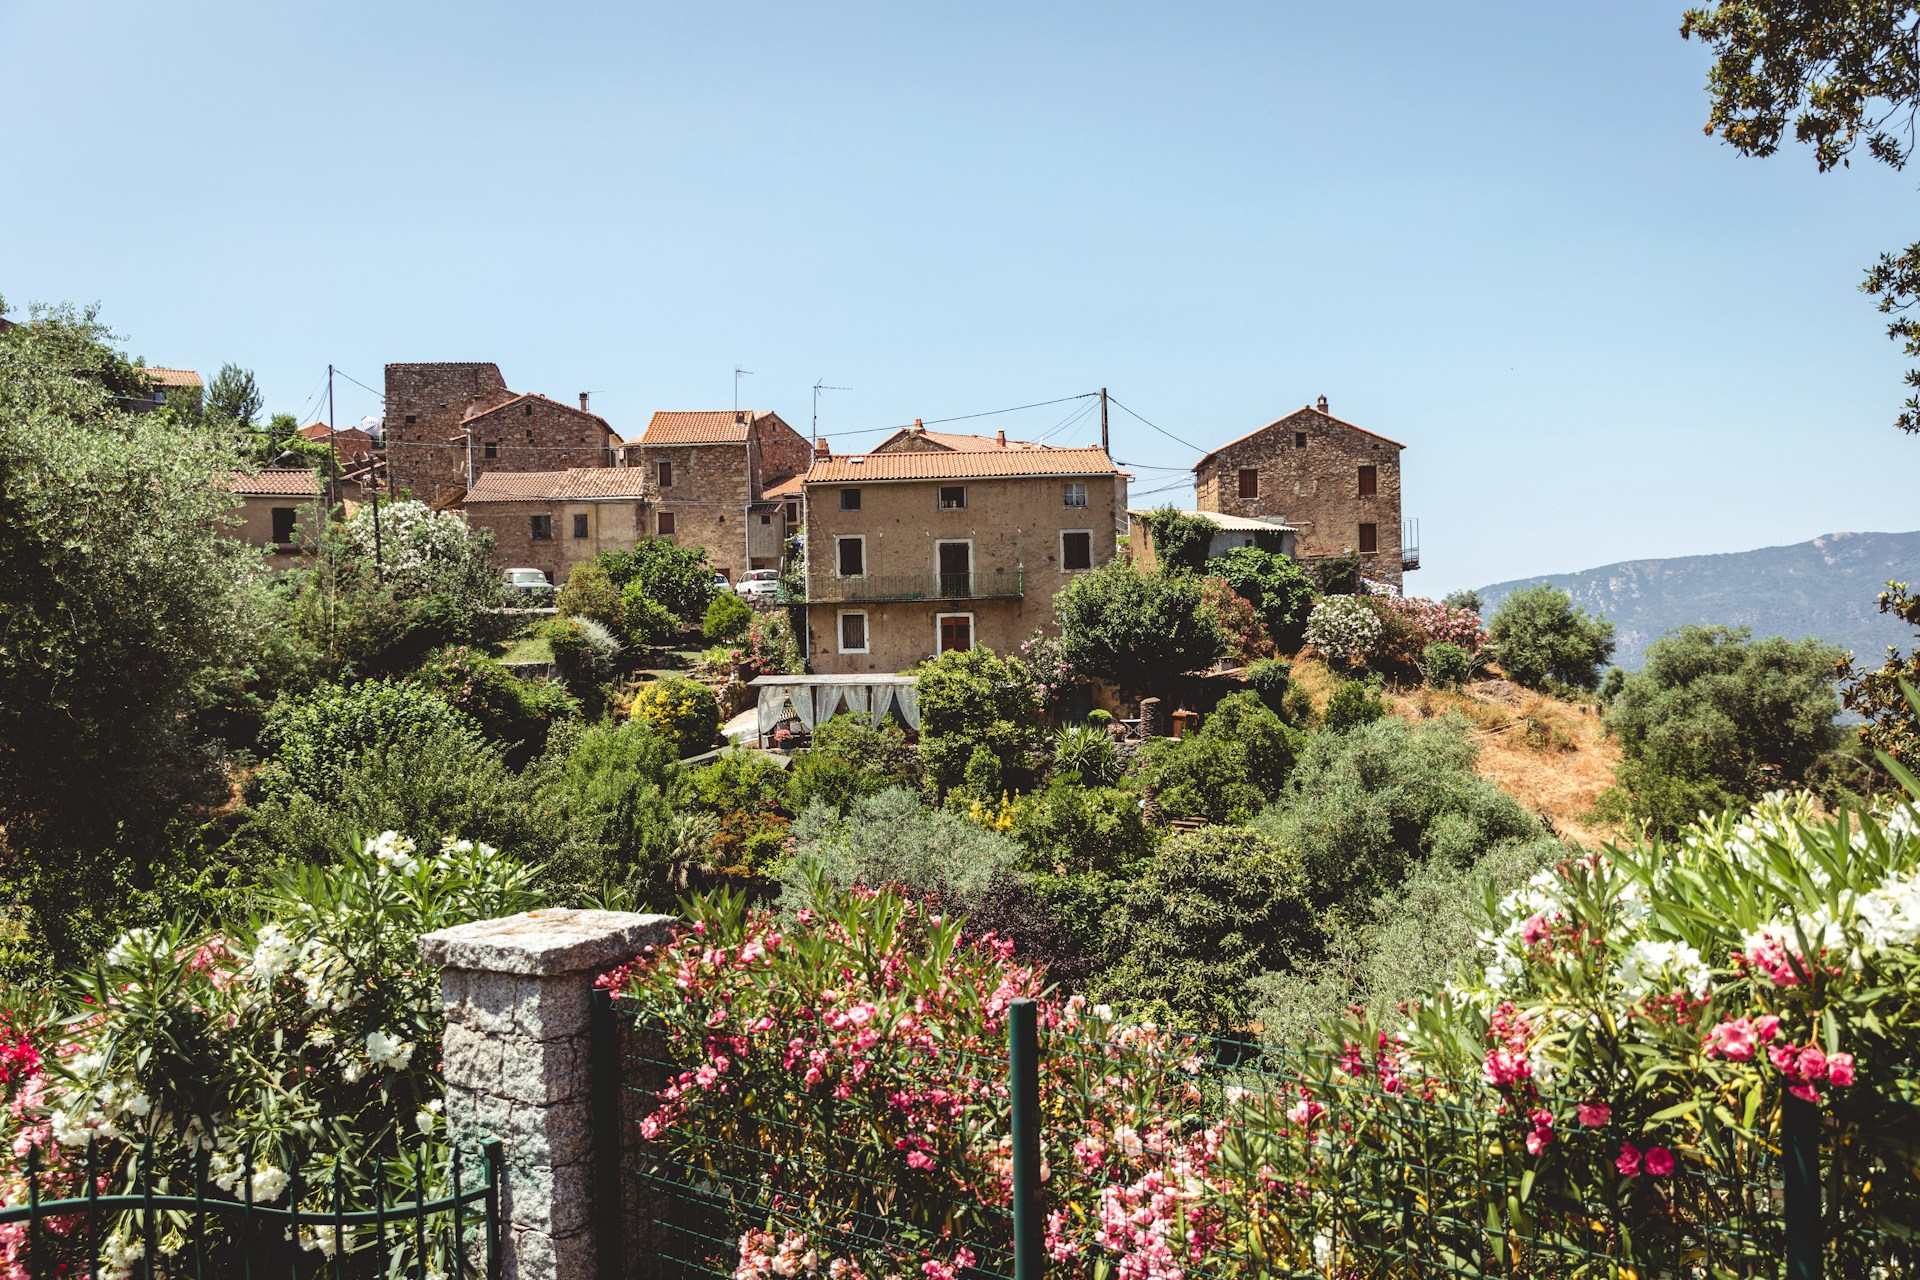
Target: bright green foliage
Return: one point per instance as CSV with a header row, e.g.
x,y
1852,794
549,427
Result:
x,y
1363,809
1538,635
1354,703
309,739
1444,664
1234,765
727,618
1070,829
590,593
645,622
1892,724
615,800
1276,587
511,711
745,791
1180,542
678,577
684,712
1340,575
123,609
233,398
975,698
1087,752
1467,599
1715,715
850,757
891,838
1136,629
1211,910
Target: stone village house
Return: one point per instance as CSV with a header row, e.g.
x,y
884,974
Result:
x,y
936,542
554,520
1335,485
727,481
278,506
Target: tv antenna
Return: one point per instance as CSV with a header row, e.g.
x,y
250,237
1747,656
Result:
x,y
738,373
818,387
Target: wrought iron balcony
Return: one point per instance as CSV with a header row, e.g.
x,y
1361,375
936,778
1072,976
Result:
x,y
882,588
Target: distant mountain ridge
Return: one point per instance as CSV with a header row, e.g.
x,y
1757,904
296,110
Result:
x,y
1824,588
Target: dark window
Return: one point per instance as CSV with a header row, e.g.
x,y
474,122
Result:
x,y
1299,439
666,524
1369,537
1369,481
526,411
956,634
953,497
853,557
849,499
493,449
580,526
793,513
1076,550
853,632
664,469
411,419
283,524
766,519
1249,483
159,395
542,528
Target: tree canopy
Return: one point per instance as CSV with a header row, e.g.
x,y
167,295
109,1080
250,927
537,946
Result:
x,y
1537,634
1136,628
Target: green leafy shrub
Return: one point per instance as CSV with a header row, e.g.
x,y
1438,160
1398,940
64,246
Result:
x,y
616,799
851,756
1340,575
1210,911
971,699
727,619
1180,541
892,839
590,593
1354,703
1245,636
1135,628
1537,634
678,577
1346,631
1892,722
1445,665
1467,600
1087,751
1269,680
645,621
772,648
684,712
509,710
1079,829
1229,769
1279,590
746,792
308,739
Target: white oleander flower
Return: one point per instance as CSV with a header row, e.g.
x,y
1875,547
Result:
x,y
1651,967
388,1051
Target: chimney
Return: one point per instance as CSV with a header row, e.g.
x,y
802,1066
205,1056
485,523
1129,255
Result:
x,y
1322,406
917,428
820,449
739,417
583,400
1000,438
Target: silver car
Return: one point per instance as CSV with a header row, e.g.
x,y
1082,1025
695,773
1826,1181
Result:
x,y
526,582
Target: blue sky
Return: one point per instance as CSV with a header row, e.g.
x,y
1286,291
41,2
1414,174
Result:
x,y
1494,232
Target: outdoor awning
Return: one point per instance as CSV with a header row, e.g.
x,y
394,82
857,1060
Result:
x,y
815,699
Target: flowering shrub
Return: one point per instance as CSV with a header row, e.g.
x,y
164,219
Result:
x,y
418,545
1345,630
1053,676
684,712
1246,635
771,648
309,1037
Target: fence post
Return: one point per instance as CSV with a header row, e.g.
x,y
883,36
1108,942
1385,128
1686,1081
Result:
x,y
608,1199
1800,1158
518,1067
1023,1091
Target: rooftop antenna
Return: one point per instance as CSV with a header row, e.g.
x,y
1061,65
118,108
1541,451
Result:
x,y
738,373
818,387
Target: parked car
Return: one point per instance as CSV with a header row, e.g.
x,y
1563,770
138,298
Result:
x,y
759,582
720,582
530,583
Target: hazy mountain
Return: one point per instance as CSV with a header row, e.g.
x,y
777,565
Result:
x,y
1823,588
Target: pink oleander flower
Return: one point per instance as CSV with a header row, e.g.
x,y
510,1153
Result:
x,y
1659,1161
1811,1064
1628,1161
1534,928
1766,1027
1734,1040
1840,1069
1804,1092
1594,1115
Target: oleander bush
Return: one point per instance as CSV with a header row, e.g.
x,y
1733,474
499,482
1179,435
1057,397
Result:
x,y
1345,630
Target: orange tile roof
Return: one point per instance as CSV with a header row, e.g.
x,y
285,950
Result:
x,y
553,486
172,377
275,482
509,403
705,426
1305,408
962,465
958,441
784,487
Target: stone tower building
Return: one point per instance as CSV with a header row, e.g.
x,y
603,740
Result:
x,y
1336,484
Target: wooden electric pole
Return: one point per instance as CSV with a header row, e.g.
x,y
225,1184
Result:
x,y
1103,422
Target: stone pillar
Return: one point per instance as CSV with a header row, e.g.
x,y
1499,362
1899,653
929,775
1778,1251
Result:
x,y
518,998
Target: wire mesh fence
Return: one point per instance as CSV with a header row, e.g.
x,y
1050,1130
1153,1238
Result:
x,y
1153,1159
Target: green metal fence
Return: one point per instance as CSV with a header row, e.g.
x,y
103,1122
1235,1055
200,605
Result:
x,y
1413,1181
445,1224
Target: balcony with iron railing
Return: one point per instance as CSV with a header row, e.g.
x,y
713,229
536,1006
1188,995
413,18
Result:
x,y
884,588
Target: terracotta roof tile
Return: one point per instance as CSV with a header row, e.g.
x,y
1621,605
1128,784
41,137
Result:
x,y
962,465
275,482
785,486
1288,418
172,377
707,426
552,486
509,403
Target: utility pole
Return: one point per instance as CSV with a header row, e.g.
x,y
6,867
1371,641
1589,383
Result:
x,y
333,489
818,387
1103,422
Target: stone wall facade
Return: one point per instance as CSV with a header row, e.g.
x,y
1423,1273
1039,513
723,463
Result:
x,y
780,451
425,405
706,497
611,524
533,433
1009,524
1307,470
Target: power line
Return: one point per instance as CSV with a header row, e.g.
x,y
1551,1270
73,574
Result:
x,y
363,386
965,417
1162,430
